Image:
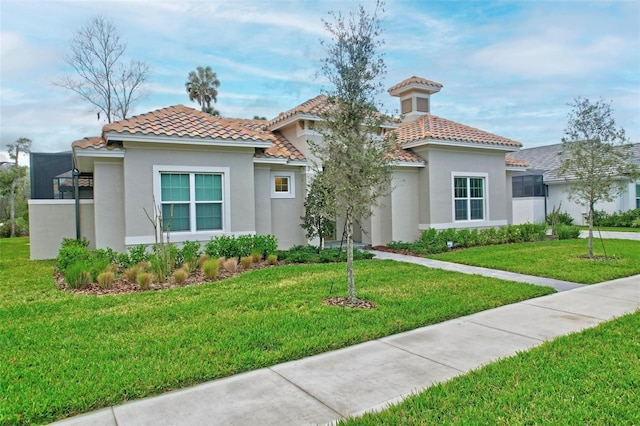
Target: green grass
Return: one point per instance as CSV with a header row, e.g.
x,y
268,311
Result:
x,y
562,260
588,378
63,354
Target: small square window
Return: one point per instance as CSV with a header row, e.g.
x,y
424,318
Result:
x,y
282,184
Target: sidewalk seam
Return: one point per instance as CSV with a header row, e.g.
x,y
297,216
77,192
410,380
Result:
x,y
507,331
306,392
423,357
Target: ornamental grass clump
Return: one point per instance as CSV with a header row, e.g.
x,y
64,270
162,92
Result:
x,y
246,262
221,261
144,280
272,259
202,259
131,274
180,275
105,280
256,256
231,265
77,275
210,269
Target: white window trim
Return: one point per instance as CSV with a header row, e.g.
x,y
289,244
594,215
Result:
x,y
292,184
485,197
226,204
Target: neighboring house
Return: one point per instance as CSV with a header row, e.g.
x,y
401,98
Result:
x,y
541,188
222,176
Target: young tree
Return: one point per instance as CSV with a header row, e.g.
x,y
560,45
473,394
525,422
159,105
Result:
x,y
355,160
202,87
317,221
13,176
596,155
101,76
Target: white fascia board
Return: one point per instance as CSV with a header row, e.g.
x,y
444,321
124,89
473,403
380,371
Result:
x,y
406,164
299,163
269,161
101,152
476,145
132,137
517,168
58,201
295,117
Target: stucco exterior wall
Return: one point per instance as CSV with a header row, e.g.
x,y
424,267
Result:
x,y
443,164
262,186
139,163
528,210
559,193
109,201
52,220
405,205
286,213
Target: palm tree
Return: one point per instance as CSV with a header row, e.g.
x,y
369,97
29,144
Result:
x,y
201,87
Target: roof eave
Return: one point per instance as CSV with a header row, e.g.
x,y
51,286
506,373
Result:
x,y
292,119
134,137
466,144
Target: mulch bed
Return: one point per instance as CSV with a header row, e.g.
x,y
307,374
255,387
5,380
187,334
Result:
x,y
344,302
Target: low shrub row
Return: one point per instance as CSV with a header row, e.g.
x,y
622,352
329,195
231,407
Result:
x,y
433,241
628,219
244,245
311,254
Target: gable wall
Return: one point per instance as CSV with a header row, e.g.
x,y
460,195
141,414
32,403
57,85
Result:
x,y
138,184
108,198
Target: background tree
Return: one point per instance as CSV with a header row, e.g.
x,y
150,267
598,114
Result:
x,y
356,162
258,117
101,76
13,176
202,87
317,221
596,155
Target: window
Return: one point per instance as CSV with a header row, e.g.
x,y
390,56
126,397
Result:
x,y
282,184
528,186
638,196
468,196
191,202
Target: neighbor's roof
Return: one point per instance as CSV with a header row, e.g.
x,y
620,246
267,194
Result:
x,y
432,127
549,157
413,80
515,163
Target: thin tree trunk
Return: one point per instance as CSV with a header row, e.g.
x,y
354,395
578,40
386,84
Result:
x,y
350,279
590,244
12,203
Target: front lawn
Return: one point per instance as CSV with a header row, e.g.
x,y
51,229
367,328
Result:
x,y
562,260
63,354
587,378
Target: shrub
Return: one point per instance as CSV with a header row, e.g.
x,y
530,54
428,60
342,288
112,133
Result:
x,y
231,265
246,262
112,268
21,228
272,259
244,245
210,268
189,253
77,275
138,254
131,274
619,219
144,280
180,275
105,280
636,223
72,252
566,232
223,246
559,218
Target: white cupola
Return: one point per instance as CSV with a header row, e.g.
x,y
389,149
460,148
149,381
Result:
x,y
414,93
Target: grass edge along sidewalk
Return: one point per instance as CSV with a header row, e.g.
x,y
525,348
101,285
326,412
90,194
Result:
x,y
137,345
589,377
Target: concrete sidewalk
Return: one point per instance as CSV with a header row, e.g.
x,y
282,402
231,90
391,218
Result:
x,y
369,376
558,285
614,235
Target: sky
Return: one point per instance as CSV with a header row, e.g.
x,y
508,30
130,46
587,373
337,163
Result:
x,y
507,67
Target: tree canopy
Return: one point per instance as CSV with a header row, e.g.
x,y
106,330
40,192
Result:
x,y
202,85
596,156
101,76
11,178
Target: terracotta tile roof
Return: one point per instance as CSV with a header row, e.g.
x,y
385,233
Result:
x,y
314,106
96,142
182,121
413,80
407,155
432,127
512,162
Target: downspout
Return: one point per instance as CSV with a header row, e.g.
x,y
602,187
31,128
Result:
x,y
76,192
546,195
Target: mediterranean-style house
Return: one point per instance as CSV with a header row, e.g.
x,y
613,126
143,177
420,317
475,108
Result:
x,y
224,176
542,188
